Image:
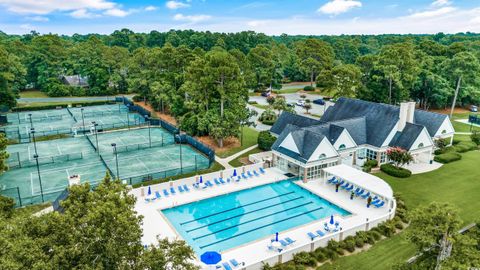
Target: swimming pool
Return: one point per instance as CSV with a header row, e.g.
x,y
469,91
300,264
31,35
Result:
x,y
227,221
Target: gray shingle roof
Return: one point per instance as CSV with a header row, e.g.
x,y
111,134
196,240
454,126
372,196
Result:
x,y
432,121
407,136
356,127
380,118
75,80
293,119
305,140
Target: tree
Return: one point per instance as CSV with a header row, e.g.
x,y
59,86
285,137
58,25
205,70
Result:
x,y
308,105
399,156
3,153
262,65
280,104
12,73
265,140
343,80
99,229
313,56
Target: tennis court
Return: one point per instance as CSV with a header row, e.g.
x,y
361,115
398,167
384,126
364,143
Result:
x,y
159,160
130,138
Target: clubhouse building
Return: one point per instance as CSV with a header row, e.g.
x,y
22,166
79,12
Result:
x,y
353,131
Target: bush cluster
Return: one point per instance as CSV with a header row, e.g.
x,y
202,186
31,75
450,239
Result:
x,y
309,88
369,164
394,171
463,147
265,140
447,157
137,98
475,137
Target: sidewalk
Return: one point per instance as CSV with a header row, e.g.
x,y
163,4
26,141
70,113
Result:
x,y
224,161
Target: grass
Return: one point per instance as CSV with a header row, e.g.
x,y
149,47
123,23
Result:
x,y
462,127
260,106
288,90
215,167
456,183
250,136
33,94
236,162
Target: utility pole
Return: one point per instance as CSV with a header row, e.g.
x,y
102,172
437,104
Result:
x,y
456,95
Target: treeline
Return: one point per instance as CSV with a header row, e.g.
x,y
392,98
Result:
x,y
203,78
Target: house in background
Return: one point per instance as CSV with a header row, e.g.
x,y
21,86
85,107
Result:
x,y
74,80
353,131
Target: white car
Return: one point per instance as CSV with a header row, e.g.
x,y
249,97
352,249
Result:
x,y
300,102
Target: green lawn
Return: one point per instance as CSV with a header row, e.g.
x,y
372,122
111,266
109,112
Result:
x,y
457,183
287,91
260,106
250,136
236,162
33,94
462,127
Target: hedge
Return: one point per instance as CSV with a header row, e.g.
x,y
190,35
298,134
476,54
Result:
x,y
463,147
394,171
268,122
54,106
265,140
309,88
447,157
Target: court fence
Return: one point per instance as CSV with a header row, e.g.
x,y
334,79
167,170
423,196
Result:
x,y
210,153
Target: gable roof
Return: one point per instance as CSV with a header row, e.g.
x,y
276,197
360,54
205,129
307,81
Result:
x,y
286,118
380,118
407,137
432,121
75,80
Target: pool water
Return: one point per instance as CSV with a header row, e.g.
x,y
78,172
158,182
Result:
x,y
227,221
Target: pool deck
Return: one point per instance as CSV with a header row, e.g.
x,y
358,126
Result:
x,y
253,253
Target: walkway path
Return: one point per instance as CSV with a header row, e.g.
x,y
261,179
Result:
x,y
224,161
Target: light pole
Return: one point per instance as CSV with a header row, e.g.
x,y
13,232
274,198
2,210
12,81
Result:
x,y
31,122
149,135
114,145
128,117
96,136
181,161
39,177
32,131
83,120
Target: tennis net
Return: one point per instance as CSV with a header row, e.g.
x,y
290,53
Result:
x,y
45,160
140,146
91,143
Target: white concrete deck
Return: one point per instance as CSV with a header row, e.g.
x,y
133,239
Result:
x,y
254,253
423,167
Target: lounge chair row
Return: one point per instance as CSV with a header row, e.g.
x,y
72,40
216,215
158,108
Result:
x,y
359,192
284,242
233,263
168,192
220,181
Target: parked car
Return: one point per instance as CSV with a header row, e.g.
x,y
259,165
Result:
x,y
473,108
266,93
327,98
291,104
300,102
319,101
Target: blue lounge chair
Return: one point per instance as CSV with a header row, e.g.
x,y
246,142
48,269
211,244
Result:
x,y
208,183
312,235
380,204
157,195
357,190
216,181
172,190
229,180
345,185
283,242
238,179
290,241
320,233
249,174
255,173
349,188
185,187
244,176
375,201
332,180
165,192
366,195
226,266
360,192
262,171
341,182
221,180
235,263
180,188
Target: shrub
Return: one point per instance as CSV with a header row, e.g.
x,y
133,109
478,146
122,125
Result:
x,y
394,171
387,228
399,225
6,207
447,157
466,146
251,102
304,258
401,213
370,238
359,242
331,254
475,137
309,88
320,254
137,98
265,140
375,234
349,244
369,164
334,246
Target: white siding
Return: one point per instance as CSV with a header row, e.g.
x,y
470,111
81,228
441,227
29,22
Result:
x,y
447,126
289,143
346,139
423,138
325,147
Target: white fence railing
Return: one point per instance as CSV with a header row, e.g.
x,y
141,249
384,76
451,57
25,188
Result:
x,y
288,254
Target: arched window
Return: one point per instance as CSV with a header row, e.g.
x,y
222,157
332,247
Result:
x,y
420,145
322,156
444,131
342,146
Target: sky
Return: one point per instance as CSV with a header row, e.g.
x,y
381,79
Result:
x,y
308,17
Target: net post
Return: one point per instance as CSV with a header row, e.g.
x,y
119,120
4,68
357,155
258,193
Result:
x,y
19,198
196,168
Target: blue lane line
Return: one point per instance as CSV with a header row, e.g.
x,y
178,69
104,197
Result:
x,y
231,209
246,213
255,219
266,225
